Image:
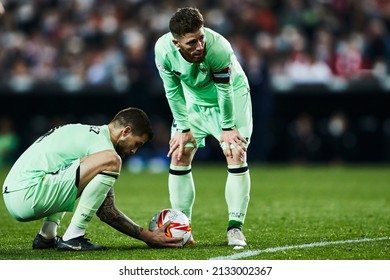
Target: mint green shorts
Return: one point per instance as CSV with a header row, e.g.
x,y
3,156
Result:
x,y
49,194
206,121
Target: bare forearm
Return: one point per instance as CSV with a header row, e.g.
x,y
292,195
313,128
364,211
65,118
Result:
x,y
112,216
121,222
109,214
124,224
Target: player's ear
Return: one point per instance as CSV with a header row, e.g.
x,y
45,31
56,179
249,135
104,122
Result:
x,y
126,130
176,42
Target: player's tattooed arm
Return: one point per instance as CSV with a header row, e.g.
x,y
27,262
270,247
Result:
x,y
112,216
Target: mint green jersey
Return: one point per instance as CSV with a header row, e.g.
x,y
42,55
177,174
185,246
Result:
x,y
211,83
55,150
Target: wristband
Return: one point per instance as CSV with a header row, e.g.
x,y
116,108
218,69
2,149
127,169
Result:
x,y
228,129
183,130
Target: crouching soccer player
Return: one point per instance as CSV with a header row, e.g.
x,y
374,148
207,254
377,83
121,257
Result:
x,y
78,161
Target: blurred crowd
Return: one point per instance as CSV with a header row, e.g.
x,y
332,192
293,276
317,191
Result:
x,y
279,43
94,42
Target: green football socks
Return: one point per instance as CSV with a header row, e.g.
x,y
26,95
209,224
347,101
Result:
x,y
50,225
91,199
237,194
181,189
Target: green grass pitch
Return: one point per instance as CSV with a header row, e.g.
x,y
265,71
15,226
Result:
x,y
289,206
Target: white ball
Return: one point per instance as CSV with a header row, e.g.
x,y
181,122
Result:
x,y
179,227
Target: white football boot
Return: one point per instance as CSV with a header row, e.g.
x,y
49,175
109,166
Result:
x,y
235,237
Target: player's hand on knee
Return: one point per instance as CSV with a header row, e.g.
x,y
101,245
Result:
x,y
178,142
232,140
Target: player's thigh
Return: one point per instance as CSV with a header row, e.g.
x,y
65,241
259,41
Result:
x,y
54,192
208,119
197,121
57,191
19,205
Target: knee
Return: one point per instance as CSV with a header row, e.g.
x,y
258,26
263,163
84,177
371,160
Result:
x,y
186,158
113,161
238,157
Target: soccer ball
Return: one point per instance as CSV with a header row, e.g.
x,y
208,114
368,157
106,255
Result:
x,y
179,227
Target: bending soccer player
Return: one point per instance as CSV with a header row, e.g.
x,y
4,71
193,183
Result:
x,y
78,161
208,94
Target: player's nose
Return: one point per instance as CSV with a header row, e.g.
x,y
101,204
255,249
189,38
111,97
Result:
x,y
133,151
199,46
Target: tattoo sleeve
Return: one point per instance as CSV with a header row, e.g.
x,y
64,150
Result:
x,y
112,216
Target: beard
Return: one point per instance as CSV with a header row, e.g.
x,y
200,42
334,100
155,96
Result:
x,y
123,152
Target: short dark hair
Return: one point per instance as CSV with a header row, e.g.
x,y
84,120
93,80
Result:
x,y
185,20
135,118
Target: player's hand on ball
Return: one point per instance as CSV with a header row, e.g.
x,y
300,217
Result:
x,y
160,239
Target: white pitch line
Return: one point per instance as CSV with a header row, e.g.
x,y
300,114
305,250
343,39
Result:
x,y
283,248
